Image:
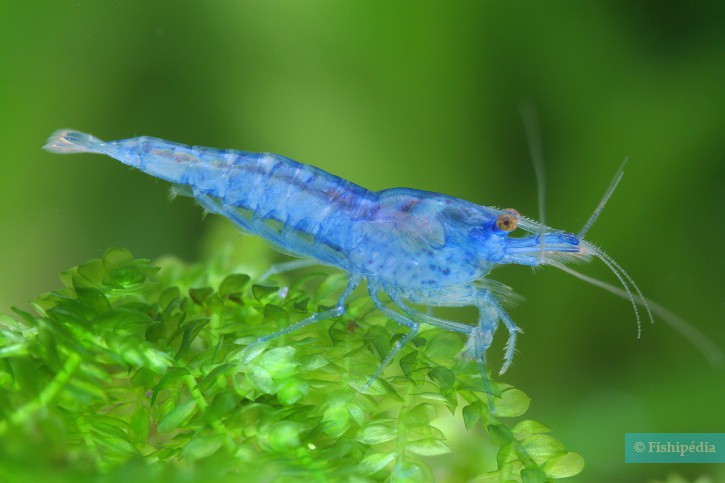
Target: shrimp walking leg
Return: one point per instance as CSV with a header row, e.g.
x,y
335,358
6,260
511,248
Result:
x,y
339,309
479,336
479,348
399,318
430,319
490,312
288,267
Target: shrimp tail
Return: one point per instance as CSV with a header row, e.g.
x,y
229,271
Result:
x,y
67,141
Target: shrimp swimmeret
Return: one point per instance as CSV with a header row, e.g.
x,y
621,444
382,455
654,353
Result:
x,y
417,247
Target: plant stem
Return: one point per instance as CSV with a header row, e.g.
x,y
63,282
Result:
x,y
51,390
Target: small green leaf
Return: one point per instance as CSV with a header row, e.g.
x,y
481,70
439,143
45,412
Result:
x,y
190,330
14,350
312,363
377,433
292,390
93,271
513,402
169,296
407,363
527,427
247,354
275,316
177,416
93,299
564,466
118,445
233,284
533,475
507,455
117,256
472,414
262,292
357,414
330,289
433,397
427,447
500,434
259,378
171,380
110,432
278,362
140,424
422,414
379,338
543,447
202,446
222,371
126,276
302,304
157,360
378,387
444,347
284,436
87,391
411,472
375,462
25,317
222,404
200,295
443,377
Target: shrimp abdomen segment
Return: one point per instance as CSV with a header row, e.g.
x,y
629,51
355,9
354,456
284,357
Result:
x,y
163,159
301,209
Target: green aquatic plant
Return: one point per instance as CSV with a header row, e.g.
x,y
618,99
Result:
x,y
143,371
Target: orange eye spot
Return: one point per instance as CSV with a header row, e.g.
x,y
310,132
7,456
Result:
x,y
506,222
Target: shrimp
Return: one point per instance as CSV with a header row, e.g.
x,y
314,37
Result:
x,y
416,247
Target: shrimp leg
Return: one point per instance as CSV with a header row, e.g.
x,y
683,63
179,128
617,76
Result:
x,y
476,338
490,312
399,318
479,348
431,320
338,310
477,335
288,267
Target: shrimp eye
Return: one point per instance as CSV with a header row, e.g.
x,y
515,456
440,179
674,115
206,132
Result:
x,y
506,222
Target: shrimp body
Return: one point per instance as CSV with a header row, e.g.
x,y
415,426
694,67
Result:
x,y
415,246
301,209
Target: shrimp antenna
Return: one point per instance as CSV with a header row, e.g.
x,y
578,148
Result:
x,y
530,117
605,198
709,350
626,281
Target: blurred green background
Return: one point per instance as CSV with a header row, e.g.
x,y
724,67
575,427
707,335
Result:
x,y
423,95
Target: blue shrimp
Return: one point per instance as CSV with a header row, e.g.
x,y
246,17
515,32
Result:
x,y
416,247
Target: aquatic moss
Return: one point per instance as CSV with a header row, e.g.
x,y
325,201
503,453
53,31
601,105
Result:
x,y
132,371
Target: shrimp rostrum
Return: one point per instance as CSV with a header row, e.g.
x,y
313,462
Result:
x,y
420,249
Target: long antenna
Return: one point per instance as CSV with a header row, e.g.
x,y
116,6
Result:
x,y
530,117
712,352
605,198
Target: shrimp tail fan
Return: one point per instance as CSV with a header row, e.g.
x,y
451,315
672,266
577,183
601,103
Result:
x,y
66,141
